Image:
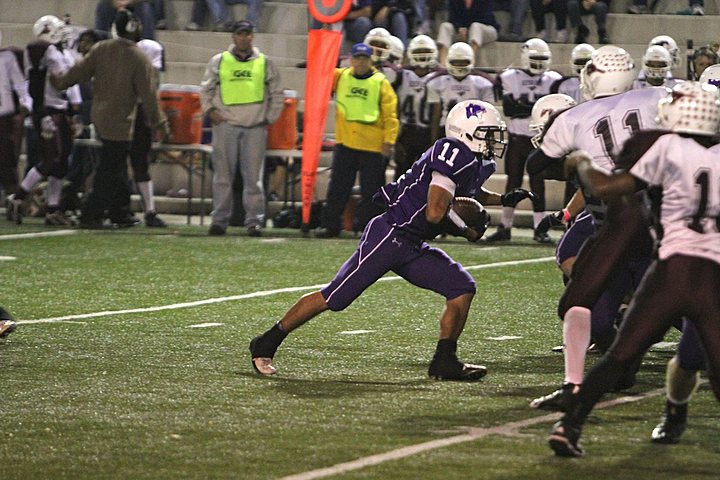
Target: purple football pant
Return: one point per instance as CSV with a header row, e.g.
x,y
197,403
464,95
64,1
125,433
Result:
x,y
383,249
573,239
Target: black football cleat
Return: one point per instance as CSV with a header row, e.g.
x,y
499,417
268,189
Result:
x,y
557,401
456,370
262,364
543,237
7,327
502,234
564,439
672,425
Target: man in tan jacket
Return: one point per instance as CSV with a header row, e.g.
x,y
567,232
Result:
x,y
121,76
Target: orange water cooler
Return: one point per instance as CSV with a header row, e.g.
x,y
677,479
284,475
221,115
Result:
x,y
282,134
181,104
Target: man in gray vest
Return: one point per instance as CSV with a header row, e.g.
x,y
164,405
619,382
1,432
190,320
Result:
x,y
241,95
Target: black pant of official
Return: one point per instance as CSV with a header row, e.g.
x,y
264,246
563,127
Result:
x,y
110,190
346,164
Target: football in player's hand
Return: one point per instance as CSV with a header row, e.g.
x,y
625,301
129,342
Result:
x,y
472,213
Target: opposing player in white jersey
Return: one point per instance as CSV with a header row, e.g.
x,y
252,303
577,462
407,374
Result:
x,y
519,89
600,127
457,85
142,139
570,85
12,85
414,110
656,69
382,44
682,168
51,118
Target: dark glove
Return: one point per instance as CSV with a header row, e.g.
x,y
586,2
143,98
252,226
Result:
x,y
551,220
515,196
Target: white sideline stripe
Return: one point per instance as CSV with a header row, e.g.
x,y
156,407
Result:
x,y
6,259
54,233
507,429
262,293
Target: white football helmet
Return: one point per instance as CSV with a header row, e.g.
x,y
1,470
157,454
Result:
x,y
397,50
422,52
543,108
379,39
479,126
670,45
579,56
691,107
610,71
535,56
460,59
49,28
711,75
656,62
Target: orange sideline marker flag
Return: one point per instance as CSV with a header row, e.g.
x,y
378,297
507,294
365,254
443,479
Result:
x,y
322,52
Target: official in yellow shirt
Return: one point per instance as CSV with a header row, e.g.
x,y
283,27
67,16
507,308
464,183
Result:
x,y
366,127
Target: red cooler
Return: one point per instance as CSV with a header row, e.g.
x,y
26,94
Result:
x,y
282,134
181,104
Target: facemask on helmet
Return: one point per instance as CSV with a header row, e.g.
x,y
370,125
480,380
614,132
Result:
x,y
422,52
479,126
691,107
49,28
579,56
535,56
670,45
380,41
711,75
656,63
397,51
460,59
543,108
610,71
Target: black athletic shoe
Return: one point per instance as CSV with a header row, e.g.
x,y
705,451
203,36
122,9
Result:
x,y
557,401
502,234
152,220
216,230
672,425
262,364
455,370
565,440
542,237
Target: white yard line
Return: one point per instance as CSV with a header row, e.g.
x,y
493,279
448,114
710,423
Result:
x,y
506,429
262,293
53,233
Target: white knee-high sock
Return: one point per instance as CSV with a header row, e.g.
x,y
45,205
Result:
x,y
537,218
54,190
680,383
32,177
506,217
576,338
147,194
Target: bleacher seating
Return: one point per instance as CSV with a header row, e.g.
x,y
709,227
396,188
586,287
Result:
x,y
282,35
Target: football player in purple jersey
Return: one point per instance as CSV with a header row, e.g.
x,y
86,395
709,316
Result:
x,y
7,324
417,209
679,169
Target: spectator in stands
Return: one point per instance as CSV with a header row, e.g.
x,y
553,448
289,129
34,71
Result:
x,y
121,75
106,10
241,95
366,127
578,8
518,9
702,58
470,21
159,11
559,9
394,15
696,7
220,13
